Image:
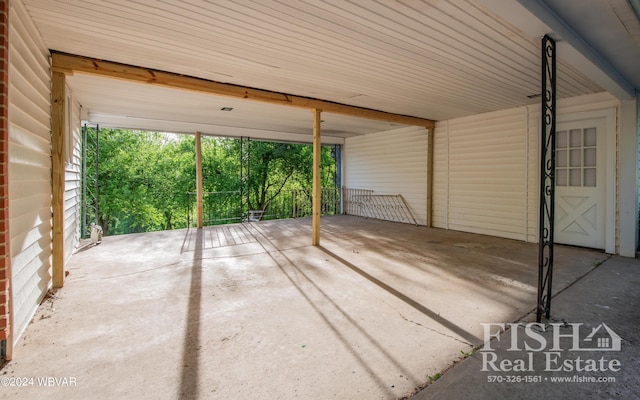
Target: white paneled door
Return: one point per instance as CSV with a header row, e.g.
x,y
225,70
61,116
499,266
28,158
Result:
x,y
580,183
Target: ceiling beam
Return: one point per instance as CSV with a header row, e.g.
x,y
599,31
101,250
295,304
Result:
x,y
69,64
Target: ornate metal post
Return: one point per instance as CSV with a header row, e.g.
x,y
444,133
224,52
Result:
x,y
547,177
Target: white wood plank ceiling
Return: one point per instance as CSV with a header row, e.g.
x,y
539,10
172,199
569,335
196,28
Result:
x,y
118,103
430,59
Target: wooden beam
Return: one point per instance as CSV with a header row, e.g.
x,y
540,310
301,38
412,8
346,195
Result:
x,y
430,178
199,193
68,63
58,124
317,152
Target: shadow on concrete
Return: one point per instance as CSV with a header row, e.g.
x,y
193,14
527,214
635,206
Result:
x,y
185,242
335,329
189,380
218,237
607,295
470,339
325,317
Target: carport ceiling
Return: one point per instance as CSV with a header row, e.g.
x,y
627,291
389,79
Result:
x,y
119,103
429,59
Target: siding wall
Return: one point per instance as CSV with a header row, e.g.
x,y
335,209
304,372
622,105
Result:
x,y
485,162
29,166
390,162
533,168
5,249
486,169
73,184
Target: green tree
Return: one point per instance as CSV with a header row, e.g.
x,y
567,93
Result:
x,y
220,164
174,176
140,174
276,168
272,166
144,177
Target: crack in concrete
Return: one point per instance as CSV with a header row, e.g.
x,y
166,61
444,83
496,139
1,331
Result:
x,y
434,330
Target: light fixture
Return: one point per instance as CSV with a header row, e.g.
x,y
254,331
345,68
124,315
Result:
x,y
226,108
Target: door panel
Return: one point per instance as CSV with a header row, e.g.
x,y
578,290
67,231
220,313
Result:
x,y
580,186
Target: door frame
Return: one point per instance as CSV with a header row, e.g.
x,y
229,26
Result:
x,y
610,117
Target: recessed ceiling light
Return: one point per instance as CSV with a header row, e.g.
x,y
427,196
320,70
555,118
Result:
x,y
226,108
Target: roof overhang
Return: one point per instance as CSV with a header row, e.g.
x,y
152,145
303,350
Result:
x,y
537,18
273,61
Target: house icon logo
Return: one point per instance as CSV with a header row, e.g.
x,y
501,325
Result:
x,y
602,338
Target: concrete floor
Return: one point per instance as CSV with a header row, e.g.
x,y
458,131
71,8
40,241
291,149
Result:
x,y
254,311
607,295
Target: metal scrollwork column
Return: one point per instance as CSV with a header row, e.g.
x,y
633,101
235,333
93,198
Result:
x,y
547,178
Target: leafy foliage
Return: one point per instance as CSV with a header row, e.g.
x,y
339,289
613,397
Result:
x,y
144,177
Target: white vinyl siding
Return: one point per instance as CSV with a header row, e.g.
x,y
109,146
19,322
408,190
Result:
x,y
533,171
29,166
440,205
391,162
486,169
73,184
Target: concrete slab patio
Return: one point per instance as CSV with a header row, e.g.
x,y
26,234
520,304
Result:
x,y
608,295
253,311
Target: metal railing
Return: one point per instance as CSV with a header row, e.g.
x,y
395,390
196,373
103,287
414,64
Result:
x,y
386,207
218,208
298,203
353,201
229,207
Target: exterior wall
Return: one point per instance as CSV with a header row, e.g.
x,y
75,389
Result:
x,y
5,254
627,179
29,166
73,181
390,162
484,190
486,169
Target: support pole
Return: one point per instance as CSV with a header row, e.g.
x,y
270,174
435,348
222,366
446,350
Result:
x,y
547,178
248,176
58,124
317,149
337,149
241,188
429,177
294,203
199,179
97,186
83,227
